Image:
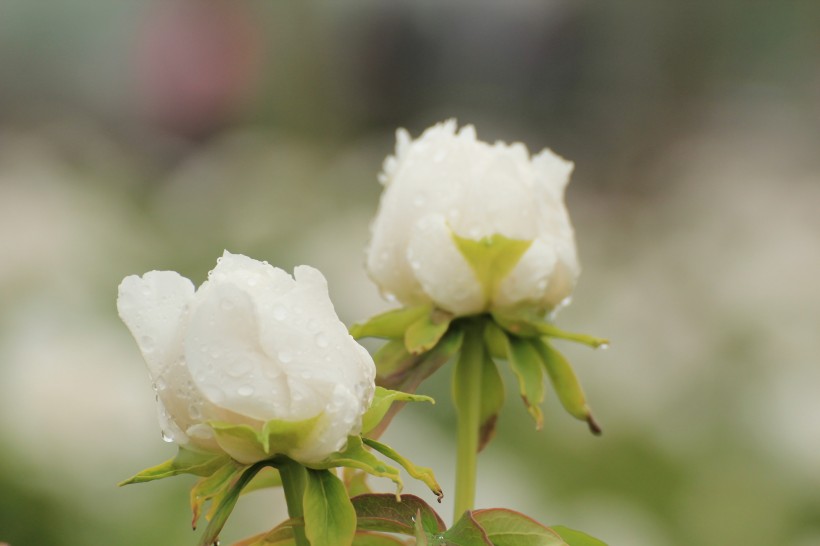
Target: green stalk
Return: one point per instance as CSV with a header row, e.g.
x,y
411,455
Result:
x,y
294,477
467,399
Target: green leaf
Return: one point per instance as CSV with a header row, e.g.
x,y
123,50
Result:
x,y
365,538
420,534
392,324
566,384
356,456
526,364
281,535
466,532
576,538
186,462
529,322
383,399
423,334
227,502
492,399
383,512
421,473
330,519
213,488
509,528
492,258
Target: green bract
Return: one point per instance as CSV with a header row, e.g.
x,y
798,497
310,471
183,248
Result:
x,y
517,336
327,517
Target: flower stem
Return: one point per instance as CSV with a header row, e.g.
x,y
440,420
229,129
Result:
x,y
467,398
294,477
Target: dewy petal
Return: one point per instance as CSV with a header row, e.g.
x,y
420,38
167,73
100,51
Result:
x,y
441,269
552,172
153,307
225,359
530,278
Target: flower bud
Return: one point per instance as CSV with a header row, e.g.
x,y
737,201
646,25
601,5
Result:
x,y
447,185
251,346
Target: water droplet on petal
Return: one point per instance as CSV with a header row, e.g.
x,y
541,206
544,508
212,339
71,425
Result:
x,y
321,340
285,357
245,390
227,304
603,346
166,437
148,344
419,200
252,281
239,367
160,384
195,412
439,156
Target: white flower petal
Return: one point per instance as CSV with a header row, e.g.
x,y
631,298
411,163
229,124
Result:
x,y
225,359
530,278
153,307
480,190
441,269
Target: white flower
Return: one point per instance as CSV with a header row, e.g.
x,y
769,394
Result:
x,y
448,183
251,345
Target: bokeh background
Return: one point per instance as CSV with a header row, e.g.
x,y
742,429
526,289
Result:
x,y
139,135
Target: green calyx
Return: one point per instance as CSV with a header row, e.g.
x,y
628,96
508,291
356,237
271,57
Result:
x,y
420,340
325,515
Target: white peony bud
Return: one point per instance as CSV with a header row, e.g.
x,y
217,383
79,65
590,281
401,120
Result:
x,y
447,184
252,345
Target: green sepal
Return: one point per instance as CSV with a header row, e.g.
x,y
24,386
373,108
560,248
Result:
x,y
526,364
355,481
566,384
423,334
421,473
495,340
384,513
491,258
391,324
492,400
383,399
187,461
213,488
505,527
524,321
356,456
227,501
329,515
576,538
416,369
392,358
244,442
266,478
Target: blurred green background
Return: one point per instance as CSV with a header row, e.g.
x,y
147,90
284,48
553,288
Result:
x,y
140,135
